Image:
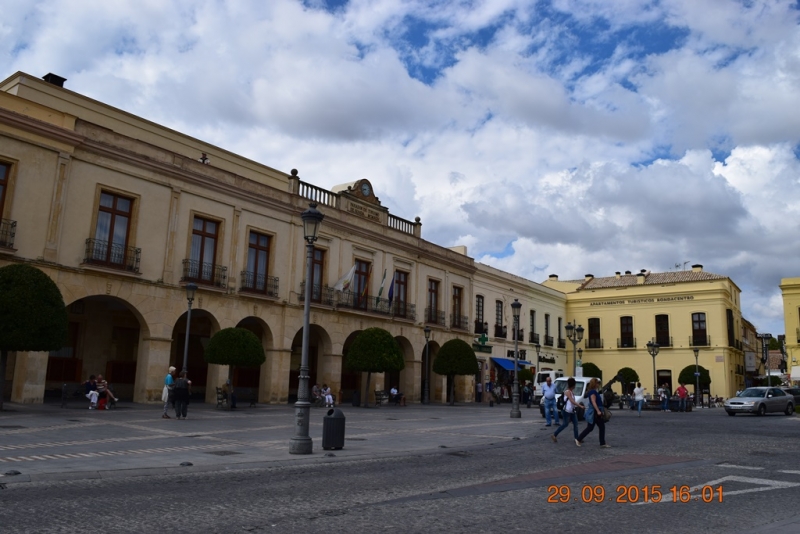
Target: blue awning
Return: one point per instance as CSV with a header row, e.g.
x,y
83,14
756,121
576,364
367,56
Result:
x,y
508,363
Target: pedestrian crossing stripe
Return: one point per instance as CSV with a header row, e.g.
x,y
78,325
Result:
x,y
81,455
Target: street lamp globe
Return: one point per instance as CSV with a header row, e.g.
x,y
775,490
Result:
x,y
312,218
191,289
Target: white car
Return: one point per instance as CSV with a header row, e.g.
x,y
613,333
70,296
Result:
x,y
579,391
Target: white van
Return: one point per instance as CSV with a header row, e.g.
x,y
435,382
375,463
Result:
x,y
541,378
580,390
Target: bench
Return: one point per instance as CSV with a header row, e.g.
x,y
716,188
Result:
x,y
380,398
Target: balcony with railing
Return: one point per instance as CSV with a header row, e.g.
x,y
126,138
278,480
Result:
x,y
433,316
521,335
594,343
700,341
500,331
459,322
259,283
562,343
481,328
207,274
403,310
8,229
319,294
533,337
663,341
548,341
113,256
626,343
356,301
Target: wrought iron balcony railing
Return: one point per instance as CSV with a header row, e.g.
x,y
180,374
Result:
x,y
8,230
533,337
594,343
459,322
319,294
626,343
356,301
562,343
207,274
663,341
259,283
481,328
404,310
521,334
548,340
111,255
700,341
434,316
500,331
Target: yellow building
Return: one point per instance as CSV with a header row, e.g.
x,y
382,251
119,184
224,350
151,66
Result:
x,y
790,290
681,311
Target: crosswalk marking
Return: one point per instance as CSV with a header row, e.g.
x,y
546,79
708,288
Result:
x,y
71,456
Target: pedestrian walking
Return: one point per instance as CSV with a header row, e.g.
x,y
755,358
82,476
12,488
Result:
x,y
683,394
549,398
166,394
478,392
183,388
570,413
638,396
664,396
594,414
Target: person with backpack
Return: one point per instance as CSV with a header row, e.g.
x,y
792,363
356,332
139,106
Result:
x,y
594,414
183,388
569,413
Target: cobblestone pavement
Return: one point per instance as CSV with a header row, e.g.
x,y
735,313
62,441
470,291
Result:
x,y
417,469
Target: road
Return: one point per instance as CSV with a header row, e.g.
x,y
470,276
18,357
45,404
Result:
x,y
480,479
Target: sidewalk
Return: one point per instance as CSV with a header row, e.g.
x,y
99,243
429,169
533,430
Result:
x,y
47,442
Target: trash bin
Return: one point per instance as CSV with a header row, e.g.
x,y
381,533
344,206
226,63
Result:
x,y
333,429
356,398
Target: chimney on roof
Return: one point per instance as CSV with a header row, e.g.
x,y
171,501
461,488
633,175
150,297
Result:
x,y
627,272
640,278
553,278
697,268
55,79
617,274
588,277
643,270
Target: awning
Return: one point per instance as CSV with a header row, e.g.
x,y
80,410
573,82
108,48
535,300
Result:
x,y
508,363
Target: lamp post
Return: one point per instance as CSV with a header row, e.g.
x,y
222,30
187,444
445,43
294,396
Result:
x,y
190,291
696,375
515,413
426,374
533,378
580,357
301,442
574,334
652,348
765,354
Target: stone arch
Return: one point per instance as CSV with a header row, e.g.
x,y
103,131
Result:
x,y
404,380
350,382
204,377
247,378
320,360
438,383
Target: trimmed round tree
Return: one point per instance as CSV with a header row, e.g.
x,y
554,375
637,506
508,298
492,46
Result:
x,y
455,357
590,369
374,351
235,347
687,377
628,376
32,314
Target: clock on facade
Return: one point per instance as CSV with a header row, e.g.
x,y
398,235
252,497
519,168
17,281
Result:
x,y
365,189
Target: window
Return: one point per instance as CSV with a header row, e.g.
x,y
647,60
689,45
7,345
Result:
x,y
662,331
5,174
256,276
699,336
498,312
731,336
456,319
560,324
433,301
110,243
361,285
317,264
593,340
401,293
548,339
479,309
533,322
204,250
626,332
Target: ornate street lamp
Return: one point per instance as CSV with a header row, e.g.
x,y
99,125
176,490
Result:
x,y
426,373
190,291
301,442
696,376
574,334
765,354
652,348
515,413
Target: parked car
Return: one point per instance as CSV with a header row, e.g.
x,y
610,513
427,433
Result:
x,y
795,392
760,400
579,391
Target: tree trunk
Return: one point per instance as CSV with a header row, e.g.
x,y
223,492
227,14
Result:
x,y
230,387
453,390
366,391
3,360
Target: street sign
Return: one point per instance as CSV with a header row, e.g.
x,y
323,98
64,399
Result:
x,y
483,338
697,374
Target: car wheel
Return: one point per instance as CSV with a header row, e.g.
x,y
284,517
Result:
x,y
789,409
731,413
762,410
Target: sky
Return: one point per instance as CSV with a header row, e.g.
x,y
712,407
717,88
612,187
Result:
x,y
550,137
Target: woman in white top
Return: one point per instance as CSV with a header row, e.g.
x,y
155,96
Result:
x,y
638,396
569,413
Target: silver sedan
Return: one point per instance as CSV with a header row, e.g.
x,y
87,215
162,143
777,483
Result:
x,y
760,401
